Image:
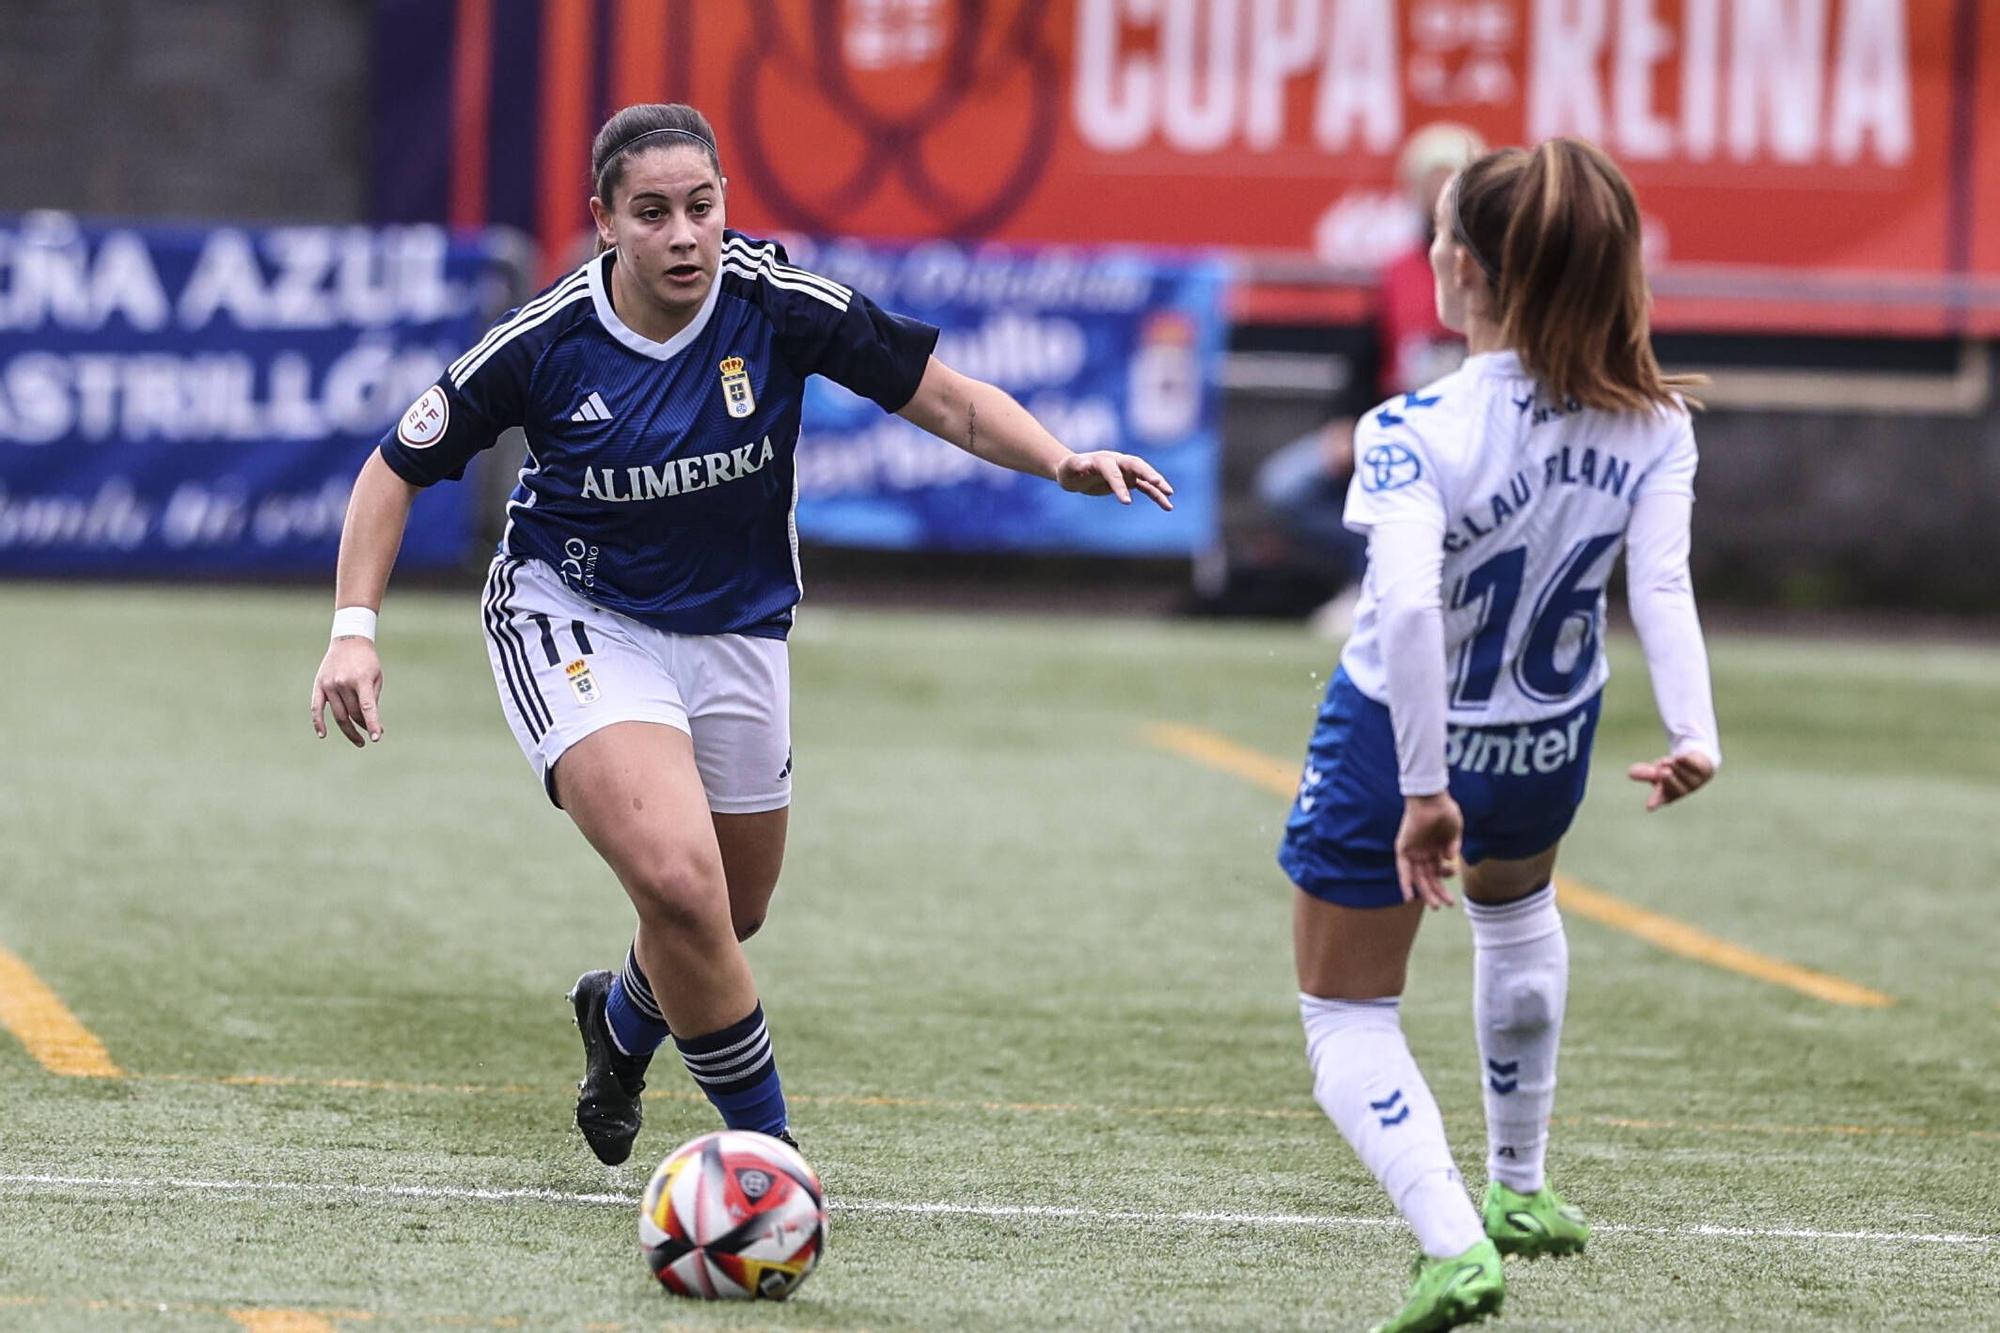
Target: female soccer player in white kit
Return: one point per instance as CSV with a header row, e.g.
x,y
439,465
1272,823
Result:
x,y
1459,724
637,610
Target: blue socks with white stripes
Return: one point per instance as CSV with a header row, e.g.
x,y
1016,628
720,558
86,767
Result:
x,y
631,1012
737,1070
735,1067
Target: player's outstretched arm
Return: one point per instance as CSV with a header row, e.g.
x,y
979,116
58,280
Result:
x,y
1406,569
1661,595
350,675
986,422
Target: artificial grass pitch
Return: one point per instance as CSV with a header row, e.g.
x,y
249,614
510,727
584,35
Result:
x,y
1029,979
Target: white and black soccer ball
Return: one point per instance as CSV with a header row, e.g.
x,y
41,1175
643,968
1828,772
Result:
x,y
733,1215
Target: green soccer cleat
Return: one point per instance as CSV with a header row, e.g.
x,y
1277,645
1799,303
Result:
x,y
1532,1224
1450,1292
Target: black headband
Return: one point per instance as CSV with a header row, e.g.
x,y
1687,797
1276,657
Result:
x,y
612,156
1464,237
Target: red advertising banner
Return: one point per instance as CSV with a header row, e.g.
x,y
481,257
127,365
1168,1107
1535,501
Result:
x,y
1801,163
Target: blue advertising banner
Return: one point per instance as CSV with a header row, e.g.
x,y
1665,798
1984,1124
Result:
x,y
182,401
1109,349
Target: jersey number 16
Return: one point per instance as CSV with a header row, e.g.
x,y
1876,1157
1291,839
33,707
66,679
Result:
x,y
1497,584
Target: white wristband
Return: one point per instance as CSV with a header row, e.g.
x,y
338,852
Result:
x,y
354,620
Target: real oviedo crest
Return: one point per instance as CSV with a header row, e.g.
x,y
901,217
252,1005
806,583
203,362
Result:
x,y
581,681
736,387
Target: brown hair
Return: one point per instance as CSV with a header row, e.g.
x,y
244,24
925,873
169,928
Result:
x,y
642,126
1556,231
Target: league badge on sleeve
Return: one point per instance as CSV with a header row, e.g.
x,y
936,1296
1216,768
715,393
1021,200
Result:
x,y
581,681
736,387
423,425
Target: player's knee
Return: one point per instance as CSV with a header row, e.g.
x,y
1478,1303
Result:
x,y
1359,981
1525,1003
677,891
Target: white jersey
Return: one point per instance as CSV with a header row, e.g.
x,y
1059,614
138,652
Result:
x,y
1530,499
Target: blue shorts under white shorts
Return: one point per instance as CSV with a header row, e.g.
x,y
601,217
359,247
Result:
x,y
566,667
1519,787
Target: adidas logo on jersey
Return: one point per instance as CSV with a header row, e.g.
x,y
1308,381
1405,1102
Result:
x,y
592,409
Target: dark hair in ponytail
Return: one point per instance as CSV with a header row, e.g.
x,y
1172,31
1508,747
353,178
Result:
x,y
1556,232
642,126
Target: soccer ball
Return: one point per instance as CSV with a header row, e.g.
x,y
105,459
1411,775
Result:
x,y
733,1216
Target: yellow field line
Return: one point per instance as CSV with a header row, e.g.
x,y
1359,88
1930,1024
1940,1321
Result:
x,y
1676,937
282,1321
1219,752
1685,940
33,1013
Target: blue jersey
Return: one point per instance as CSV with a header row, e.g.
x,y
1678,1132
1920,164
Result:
x,y
659,479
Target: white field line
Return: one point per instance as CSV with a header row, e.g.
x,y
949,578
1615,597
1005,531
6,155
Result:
x,y
24,1184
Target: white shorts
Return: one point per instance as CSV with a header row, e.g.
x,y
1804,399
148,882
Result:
x,y
566,667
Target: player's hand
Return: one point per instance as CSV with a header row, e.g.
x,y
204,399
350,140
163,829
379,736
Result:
x,y
1427,847
1673,776
1108,473
350,683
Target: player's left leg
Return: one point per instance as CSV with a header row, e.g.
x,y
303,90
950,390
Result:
x,y
737,690
753,852
1520,989
686,954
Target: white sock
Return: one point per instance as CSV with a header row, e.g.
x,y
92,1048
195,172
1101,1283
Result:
x,y
1365,1079
1520,982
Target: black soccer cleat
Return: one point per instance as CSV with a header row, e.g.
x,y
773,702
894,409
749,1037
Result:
x,y
607,1099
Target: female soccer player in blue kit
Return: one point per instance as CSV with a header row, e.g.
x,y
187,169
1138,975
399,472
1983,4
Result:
x,y
636,612
1460,722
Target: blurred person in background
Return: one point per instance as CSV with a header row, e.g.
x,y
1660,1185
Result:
x,y
1461,719
637,610
1304,483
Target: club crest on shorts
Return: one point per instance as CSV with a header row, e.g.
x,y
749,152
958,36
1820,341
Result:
x,y
581,681
736,387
